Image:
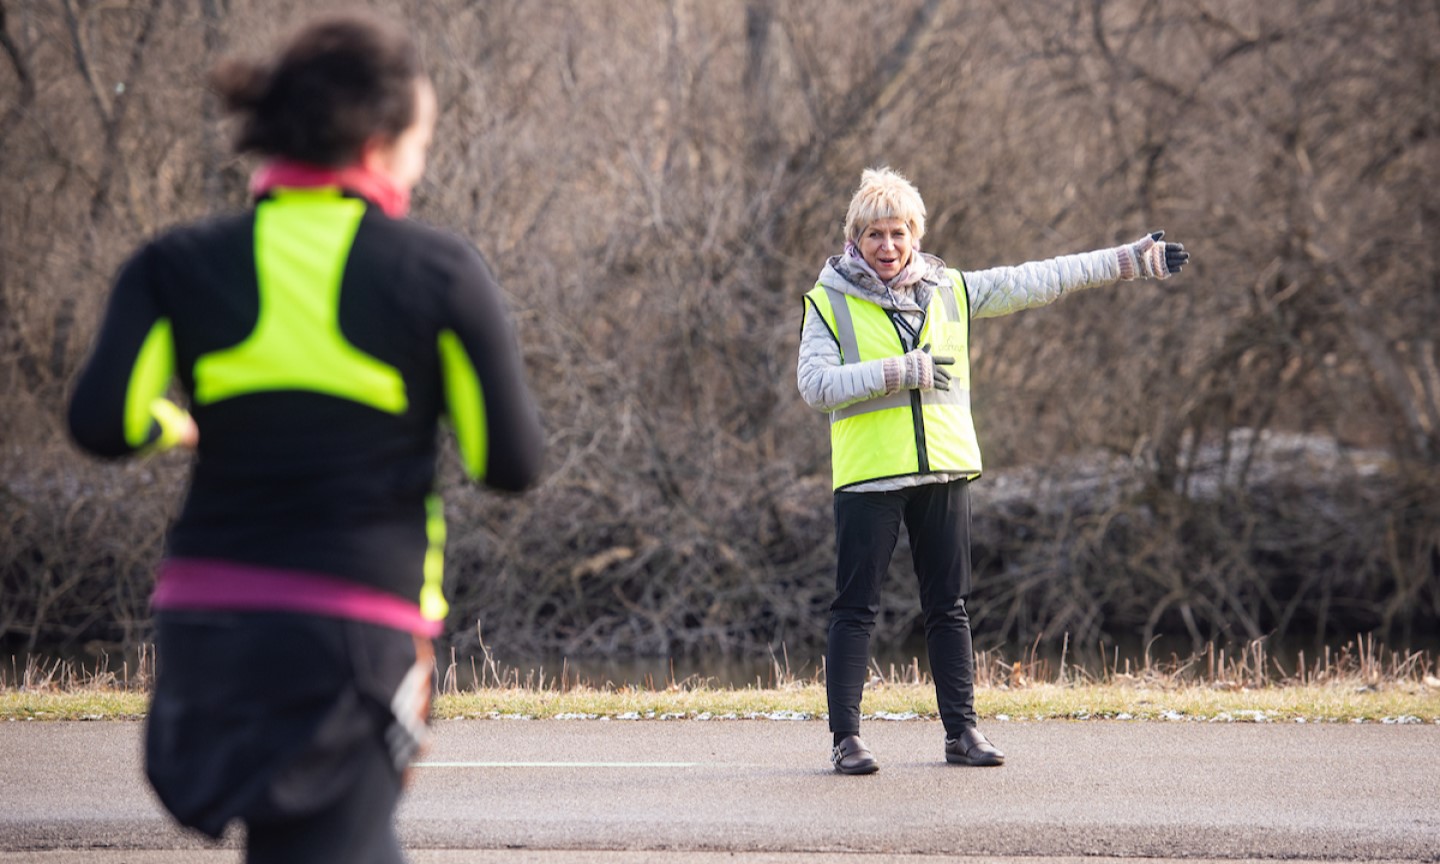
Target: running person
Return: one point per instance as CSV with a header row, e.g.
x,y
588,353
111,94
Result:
x,y
319,339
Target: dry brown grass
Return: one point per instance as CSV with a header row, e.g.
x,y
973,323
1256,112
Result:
x,y
1359,683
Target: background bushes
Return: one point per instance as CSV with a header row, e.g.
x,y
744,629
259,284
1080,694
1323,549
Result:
x,y
1251,449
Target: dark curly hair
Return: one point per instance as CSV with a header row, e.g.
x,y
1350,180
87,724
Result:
x,y
338,82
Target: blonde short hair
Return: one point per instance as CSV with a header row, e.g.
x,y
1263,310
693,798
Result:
x,y
884,194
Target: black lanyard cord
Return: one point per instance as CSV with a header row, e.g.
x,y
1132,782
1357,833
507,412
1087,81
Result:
x,y
904,324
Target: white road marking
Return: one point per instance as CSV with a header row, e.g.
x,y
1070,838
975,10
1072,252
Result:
x,y
556,764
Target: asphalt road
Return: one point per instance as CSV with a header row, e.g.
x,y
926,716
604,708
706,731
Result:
x,y
616,792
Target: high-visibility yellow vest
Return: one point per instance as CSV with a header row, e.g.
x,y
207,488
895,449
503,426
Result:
x,y
909,431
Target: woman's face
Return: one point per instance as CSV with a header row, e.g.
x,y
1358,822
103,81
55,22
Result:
x,y
885,246
402,159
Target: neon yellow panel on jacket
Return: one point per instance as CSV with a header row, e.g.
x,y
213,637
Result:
x,y
302,241
910,431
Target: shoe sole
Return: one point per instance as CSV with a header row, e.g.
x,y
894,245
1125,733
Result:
x,y
955,759
863,769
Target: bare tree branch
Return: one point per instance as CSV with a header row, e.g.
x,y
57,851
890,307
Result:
x,y
22,75
75,26
119,106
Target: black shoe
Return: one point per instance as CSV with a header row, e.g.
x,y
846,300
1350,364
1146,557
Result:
x,y
851,756
971,748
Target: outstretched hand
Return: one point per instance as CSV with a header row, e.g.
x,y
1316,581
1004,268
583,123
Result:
x,y
1175,254
1151,257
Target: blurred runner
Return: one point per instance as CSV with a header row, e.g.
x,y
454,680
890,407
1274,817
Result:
x,y
319,340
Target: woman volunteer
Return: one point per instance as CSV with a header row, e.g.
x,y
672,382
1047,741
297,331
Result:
x,y
883,350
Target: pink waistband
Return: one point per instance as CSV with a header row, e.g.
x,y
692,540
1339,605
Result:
x,y
201,583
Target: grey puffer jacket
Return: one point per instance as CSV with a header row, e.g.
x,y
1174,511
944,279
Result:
x,y
827,385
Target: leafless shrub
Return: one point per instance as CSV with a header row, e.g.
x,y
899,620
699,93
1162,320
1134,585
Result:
x,y
658,182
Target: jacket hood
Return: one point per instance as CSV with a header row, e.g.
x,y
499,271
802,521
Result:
x,y
842,274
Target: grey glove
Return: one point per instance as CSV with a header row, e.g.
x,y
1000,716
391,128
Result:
x,y
917,370
1151,258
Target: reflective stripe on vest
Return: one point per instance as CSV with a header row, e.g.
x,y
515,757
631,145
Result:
x,y
909,431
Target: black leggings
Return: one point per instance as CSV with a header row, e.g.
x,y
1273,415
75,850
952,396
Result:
x,y
867,527
358,828
284,722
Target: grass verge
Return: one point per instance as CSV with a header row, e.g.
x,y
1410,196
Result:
x,y
1359,683
1328,703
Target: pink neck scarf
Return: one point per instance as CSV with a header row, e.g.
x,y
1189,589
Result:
x,y
370,185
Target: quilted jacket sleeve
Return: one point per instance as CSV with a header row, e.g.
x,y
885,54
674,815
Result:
x,y
1003,290
824,383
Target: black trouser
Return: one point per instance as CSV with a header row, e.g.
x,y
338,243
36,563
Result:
x,y
358,826
284,722
867,527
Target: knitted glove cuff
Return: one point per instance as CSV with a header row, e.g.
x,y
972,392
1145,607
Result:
x,y
1127,262
894,372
